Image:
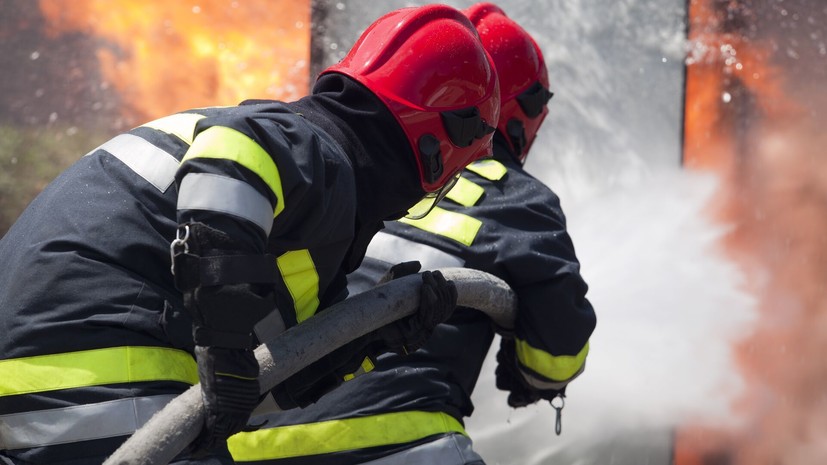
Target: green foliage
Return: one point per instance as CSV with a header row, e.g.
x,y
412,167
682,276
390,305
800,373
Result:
x,y
31,157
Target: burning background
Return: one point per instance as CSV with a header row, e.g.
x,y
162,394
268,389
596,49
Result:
x,y
76,73
755,113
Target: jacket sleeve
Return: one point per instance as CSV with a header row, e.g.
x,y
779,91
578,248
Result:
x,y
554,319
264,176
229,181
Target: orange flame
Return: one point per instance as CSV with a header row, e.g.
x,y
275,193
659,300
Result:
x,y
749,118
168,56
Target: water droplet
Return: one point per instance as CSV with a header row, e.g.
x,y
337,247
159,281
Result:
x,y
35,55
726,97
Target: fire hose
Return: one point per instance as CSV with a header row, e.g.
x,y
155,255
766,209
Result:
x,y
174,427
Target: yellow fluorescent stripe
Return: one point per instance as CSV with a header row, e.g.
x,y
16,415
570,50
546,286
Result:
x,y
491,170
95,367
340,435
465,193
366,367
299,274
181,125
456,226
557,368
228,144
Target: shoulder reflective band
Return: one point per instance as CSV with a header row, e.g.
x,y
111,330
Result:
x,y
96,367
181,125
394,249
491,170
228,144
78,422
456,226
213,192
156,166
340,435
465,193
554,367
299,274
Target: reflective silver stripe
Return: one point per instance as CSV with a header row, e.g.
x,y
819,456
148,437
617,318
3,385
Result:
x,y
543,385
202,191
270,326
394,249
156,166
78,423
454,449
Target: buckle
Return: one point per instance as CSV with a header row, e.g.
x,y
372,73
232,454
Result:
x,y
179,245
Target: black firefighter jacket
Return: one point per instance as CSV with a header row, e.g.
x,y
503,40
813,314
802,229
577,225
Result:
x,y
497,219
94,335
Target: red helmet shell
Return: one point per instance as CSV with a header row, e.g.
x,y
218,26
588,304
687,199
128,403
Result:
x,y
520,66
422,62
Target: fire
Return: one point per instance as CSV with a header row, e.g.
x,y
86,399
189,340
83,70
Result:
x,y
167,56
749,118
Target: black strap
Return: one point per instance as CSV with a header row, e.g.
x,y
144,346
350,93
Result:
x,y
192,271
208,337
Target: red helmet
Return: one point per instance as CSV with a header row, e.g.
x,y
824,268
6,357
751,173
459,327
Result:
x,y
428,66
522,73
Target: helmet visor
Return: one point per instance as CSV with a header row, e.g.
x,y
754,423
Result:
x,y
424,206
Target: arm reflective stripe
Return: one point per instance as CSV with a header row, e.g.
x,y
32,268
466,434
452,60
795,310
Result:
x,y
299,274
181,125
340,435
394,249
95,367
554,367
156,166
204,191
456,226
365,367
491,170
465,193
78,422
229,144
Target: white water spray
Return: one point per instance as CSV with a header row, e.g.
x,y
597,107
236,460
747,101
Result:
x,y
669,308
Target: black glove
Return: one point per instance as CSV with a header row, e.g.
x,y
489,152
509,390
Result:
x,y
226,291
230,389
437,300
509,378
399,270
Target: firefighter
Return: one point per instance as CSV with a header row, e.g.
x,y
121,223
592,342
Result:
x,y
154,261
497,219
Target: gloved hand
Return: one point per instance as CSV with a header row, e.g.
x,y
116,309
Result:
x,y
399,270
437,300
230,389
509,378
228,370
226,292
